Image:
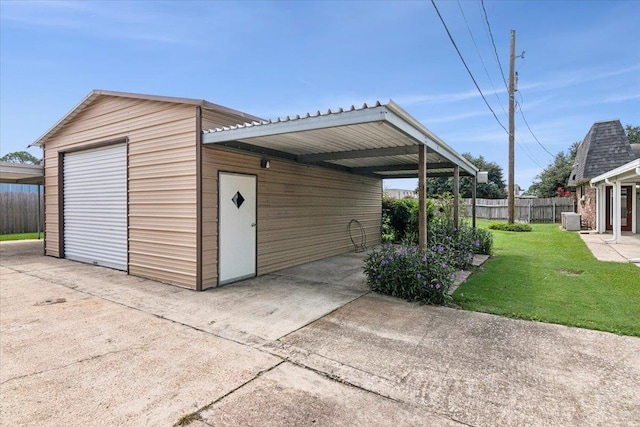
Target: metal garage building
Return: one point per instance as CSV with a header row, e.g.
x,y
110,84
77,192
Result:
x,y
195,194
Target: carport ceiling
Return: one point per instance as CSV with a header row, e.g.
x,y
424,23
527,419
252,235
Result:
x,y
379,140
18,173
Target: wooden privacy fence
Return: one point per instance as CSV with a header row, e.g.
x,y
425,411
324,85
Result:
x,y
527,210
19,212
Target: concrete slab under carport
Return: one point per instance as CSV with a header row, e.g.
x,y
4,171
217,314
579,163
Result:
x,y
253,311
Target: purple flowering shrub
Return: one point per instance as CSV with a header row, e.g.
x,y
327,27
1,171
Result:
x,y
410,273
461,243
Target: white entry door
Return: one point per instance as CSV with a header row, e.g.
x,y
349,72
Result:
x,y
237,216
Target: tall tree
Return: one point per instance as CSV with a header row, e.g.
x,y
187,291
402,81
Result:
x,y
20,157
555,174
633,134
494,189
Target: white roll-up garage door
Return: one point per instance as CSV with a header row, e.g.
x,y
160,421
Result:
x,y
95,206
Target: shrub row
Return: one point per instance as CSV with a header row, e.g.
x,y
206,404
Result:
x,y
423,275
504,226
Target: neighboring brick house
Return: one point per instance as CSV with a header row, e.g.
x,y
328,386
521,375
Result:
x,y
605,148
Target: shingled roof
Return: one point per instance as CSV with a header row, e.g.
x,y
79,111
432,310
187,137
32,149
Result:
x,y
604,148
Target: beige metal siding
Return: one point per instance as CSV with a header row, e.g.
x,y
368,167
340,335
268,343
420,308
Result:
x,y
162,181
211,119
303,211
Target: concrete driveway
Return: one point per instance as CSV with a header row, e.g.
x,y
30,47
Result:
x,y
85,345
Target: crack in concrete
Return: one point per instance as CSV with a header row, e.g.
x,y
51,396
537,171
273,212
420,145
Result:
x,y
322,317
86,359
259,347
250,380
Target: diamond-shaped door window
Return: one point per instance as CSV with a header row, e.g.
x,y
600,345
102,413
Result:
x,y
237,199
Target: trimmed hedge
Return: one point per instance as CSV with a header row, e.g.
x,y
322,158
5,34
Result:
x,y
504,226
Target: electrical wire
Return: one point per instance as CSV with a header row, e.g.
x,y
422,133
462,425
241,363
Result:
x,y
481,59
528,152
467,67
495,50
519,105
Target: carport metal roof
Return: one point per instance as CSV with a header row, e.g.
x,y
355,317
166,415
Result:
x,y
19,173
380,140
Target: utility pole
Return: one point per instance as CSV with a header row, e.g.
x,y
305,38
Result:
x,y
512,86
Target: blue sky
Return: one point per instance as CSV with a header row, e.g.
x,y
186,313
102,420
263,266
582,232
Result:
x,y
271,59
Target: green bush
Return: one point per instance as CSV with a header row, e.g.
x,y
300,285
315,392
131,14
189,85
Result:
x,y
423,275
444,206
388,233
458,243
400,218
485,241
503,226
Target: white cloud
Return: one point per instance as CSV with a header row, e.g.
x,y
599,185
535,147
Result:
x,y
93,20
622,97
574,77
454,117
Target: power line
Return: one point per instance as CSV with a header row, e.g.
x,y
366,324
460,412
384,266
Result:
x,y
466,66
529,127
480,56
529,154
495,50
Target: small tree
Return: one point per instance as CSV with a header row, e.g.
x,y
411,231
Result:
x,y
633,134
555,175
20,157
494,189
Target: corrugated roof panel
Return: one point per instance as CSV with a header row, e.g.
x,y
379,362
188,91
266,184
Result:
x,y
379,161
312,136
370,135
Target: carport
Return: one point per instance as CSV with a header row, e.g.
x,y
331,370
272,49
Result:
x,y
195,194
19,173
381,141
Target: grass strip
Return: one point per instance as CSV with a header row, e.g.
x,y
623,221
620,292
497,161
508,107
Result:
x,y
550,275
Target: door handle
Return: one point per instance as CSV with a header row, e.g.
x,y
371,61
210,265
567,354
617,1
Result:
x,y
253,224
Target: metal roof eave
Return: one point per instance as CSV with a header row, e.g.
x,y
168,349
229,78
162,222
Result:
x,y
19,173
389,114
318,122
94,94
470,167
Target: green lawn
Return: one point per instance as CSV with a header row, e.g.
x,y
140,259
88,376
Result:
x,y
551,276
20,236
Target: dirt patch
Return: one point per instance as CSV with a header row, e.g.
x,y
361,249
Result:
x,y
568,272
